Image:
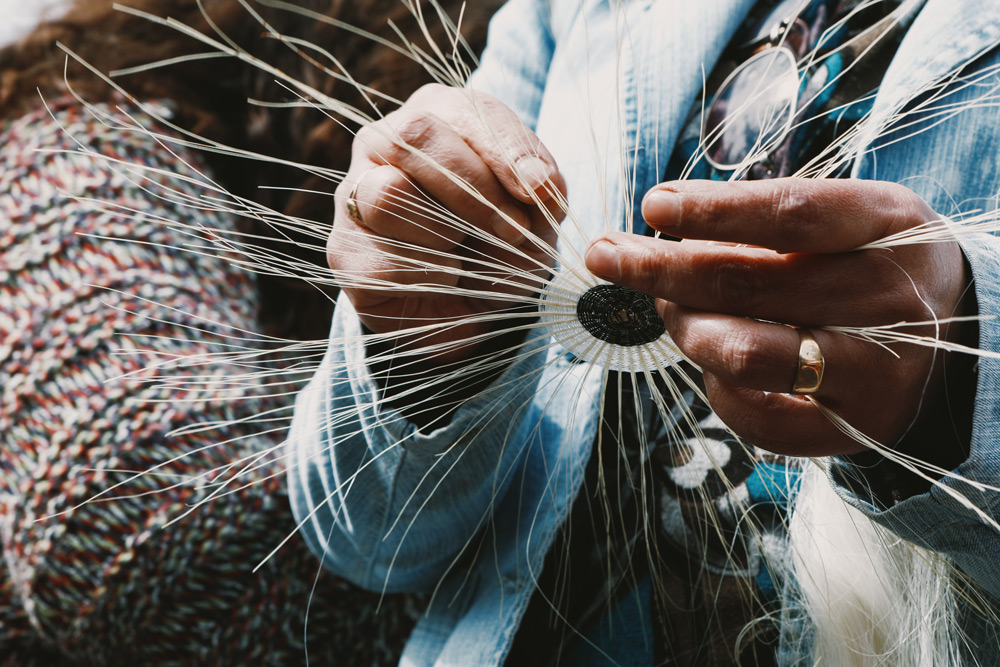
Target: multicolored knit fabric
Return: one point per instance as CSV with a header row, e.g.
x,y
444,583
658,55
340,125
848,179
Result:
x,y
106,582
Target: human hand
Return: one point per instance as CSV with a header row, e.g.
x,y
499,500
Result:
x,y
416,247
726,305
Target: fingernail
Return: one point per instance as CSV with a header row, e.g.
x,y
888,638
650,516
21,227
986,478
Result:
x,y
662,207
603,260
532,172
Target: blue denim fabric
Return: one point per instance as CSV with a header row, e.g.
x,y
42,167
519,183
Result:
x,y
468,511
955,170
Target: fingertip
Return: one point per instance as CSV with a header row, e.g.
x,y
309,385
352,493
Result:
x,y
604,259
555,189
530,175
661,208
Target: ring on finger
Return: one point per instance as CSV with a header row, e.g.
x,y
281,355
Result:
x,y
809,374
353,211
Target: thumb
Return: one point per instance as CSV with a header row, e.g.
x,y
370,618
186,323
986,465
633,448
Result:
x,y
521,162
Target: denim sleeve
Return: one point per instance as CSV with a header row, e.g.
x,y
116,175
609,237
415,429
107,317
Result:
x,y
949,518
515,63
952,165
382,503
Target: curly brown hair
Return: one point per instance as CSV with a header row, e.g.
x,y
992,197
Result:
x,y
210,98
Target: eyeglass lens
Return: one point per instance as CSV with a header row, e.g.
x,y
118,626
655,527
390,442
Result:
x,y
753,110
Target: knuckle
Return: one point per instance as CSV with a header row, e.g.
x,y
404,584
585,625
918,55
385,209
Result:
x,y
386,200
895,195
369,139
742,353
892,192
901,372
791,209
901,208
388,141
413,128
903,303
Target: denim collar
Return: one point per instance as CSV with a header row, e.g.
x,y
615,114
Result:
x,y
945,34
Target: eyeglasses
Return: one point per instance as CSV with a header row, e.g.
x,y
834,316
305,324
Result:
x,y
752,117
755,107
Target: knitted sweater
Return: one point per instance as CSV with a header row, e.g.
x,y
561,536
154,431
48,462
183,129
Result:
x,y
81,316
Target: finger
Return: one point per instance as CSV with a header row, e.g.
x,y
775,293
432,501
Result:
x,y
372,269
785,214
388,204
779,423
857,288
515,154
438,162
765,356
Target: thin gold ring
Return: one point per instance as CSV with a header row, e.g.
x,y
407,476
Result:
x,y
809,375
352,204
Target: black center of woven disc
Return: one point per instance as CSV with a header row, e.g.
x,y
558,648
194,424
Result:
x,y
618,315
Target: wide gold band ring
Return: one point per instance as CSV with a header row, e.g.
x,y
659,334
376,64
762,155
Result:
x,y
809,375
352,204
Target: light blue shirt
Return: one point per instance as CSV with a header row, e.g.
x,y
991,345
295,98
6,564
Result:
x,y
467,512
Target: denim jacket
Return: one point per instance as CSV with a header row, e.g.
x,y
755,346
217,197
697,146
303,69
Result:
x,y
468,511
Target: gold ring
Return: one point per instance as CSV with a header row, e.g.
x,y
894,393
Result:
x,y
809,375
352,204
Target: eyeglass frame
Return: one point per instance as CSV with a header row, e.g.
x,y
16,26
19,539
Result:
x,y
776,38
773,45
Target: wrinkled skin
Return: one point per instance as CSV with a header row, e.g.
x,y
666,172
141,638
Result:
x,y
726,304
755,257
484,143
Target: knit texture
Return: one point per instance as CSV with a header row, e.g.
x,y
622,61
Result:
x,y
81,316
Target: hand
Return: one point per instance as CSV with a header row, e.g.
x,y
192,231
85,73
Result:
x,y
406,255
727,306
